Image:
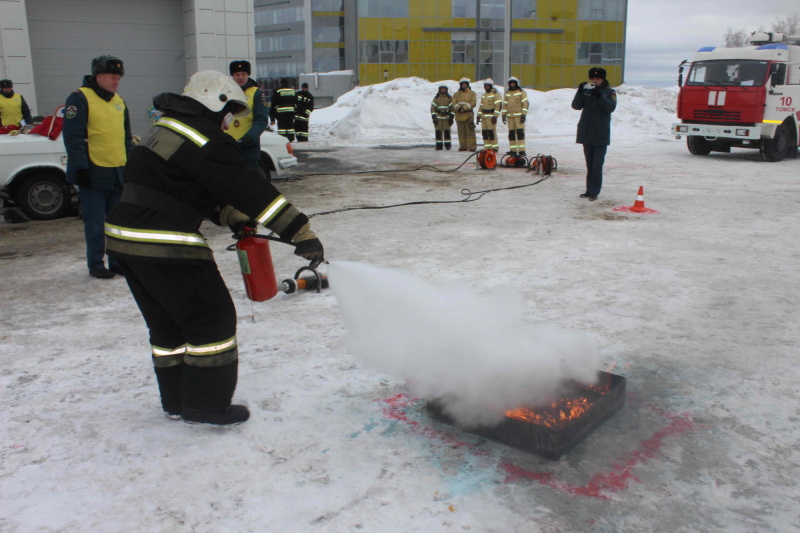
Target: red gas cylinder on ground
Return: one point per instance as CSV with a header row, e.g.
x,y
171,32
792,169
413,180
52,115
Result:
x,y
257,271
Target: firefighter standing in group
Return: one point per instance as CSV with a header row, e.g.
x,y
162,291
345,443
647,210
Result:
x,y
247,130
464,102
184,170
14,111
97,138
282,109
442,115
515,111
303,109
489,110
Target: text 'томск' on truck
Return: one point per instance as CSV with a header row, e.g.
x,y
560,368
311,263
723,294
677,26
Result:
x,y
33,173
743,97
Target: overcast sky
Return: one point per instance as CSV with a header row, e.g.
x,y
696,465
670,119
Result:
x,y
663,33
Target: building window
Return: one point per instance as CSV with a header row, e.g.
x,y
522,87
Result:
x,y
463,46
523,52
384,51
598,53
382,8
279,43
601,10
493,13
279,70
327,5
328,59
464,9
329,34
278,16
523,9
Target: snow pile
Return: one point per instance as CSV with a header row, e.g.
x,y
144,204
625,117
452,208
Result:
x,y
474,352
400,110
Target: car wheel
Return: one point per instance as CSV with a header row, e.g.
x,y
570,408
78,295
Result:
x,y
43,196
775,149
698,145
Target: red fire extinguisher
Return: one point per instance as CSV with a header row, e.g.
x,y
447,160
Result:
x,y
255,261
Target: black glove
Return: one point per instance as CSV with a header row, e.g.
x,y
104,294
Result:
x,y
522,119
435,121
505,120
477,121
597,93
308,246
451,121
494,120
247,140
581,86
83,178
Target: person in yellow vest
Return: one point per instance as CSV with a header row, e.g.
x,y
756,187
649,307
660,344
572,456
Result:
x,y
464,102
515,112
97,138
491,105
247,130
13,109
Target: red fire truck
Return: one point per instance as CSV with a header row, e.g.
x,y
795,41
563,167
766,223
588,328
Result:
x,y
742,97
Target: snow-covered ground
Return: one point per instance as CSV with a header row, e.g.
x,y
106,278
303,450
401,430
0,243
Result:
x,y
695,305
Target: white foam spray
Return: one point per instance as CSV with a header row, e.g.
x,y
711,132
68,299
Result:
x,y
474,352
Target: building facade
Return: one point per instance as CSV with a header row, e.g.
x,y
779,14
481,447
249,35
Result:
x,y
46,46
547,44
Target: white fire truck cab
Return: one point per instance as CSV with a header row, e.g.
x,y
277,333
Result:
x,y
742,97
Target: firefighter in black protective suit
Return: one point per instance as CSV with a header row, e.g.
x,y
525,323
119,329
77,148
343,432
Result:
x,y
186,169
283,103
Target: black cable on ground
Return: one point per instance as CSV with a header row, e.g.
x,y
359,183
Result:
x,y
466,192
423,167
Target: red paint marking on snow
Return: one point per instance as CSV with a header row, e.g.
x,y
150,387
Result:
x,y
621,473
615,480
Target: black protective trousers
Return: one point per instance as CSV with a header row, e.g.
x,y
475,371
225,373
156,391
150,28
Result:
x,y
595,157
192,322
286,125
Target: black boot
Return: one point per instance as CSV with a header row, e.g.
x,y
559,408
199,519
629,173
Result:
x,y
206,394
169,385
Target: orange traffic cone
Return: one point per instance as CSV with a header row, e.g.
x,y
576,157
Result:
x,y
638,205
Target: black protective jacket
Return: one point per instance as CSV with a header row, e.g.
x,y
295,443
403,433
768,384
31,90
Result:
x,y
185,169
596,106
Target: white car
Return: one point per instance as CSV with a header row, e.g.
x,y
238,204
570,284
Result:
x,y
33,174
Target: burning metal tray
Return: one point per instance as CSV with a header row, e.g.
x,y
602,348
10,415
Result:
x,y
552,430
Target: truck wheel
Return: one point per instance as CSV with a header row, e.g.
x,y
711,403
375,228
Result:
x,y
698,145
775,149
43,196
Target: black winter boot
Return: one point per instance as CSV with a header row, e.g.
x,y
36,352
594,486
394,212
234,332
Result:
x,y
169,385
206,394
233,415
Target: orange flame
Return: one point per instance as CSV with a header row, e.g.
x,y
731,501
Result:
x,y
561,411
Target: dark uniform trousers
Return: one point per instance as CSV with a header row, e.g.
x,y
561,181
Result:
x,y
187,305
286,124
595,157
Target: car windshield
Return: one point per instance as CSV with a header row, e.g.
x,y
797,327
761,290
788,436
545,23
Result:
x,y
729,72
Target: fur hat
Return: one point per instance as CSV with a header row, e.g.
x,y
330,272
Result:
x,y
107,65
304,86
6,84
239,66
597,72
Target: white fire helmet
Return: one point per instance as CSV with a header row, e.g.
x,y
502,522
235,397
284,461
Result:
x,y
214,89
488,81
513,78
463,80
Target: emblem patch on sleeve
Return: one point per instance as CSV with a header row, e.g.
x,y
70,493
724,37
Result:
x,y
71,112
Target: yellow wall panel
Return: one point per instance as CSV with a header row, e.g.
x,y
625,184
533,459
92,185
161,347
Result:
x,y
370,29
542,53
570,31
571,9
597,32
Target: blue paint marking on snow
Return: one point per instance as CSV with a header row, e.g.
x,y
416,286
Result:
x,y
707,49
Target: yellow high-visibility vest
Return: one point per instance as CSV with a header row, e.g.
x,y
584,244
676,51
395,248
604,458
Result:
x,y
11,110
241,125
105,130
